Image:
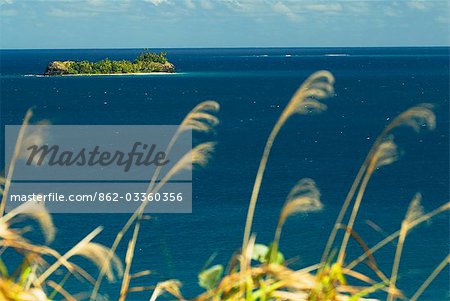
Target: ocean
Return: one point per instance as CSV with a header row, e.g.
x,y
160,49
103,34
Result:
x,y
373,85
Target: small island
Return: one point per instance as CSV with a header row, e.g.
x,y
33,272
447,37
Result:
x,y
146,62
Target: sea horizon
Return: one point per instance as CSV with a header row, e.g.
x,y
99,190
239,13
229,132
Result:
x,y
235,47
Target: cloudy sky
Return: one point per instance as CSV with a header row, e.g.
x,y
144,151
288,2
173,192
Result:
x,y
222,23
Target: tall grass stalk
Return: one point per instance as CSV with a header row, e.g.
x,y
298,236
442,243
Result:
x,y
196,157
414,211
304,197
386,153
200,119
128,261
66,256
12,163
430,278
60,290
394,235
317,86
417,118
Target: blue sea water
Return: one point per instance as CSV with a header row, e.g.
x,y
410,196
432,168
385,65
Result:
x,y
373,85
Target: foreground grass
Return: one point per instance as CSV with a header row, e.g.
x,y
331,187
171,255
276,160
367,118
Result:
x,y
255,271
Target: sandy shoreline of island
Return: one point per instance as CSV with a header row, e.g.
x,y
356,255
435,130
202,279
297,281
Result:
x,y
117,74
106,74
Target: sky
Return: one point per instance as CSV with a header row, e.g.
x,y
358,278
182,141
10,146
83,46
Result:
x,y
41,24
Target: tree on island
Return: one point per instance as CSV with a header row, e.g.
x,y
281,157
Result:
x,y
146,62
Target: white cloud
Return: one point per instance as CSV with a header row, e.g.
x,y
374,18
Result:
x,y
419,5
442,19
234,4
391,12
251,7
157,2
57,12
96,2
202,4
189,4
324,7
8,12
103,6
283,9
357,7
206,4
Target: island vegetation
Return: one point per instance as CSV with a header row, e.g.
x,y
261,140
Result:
x,y
146,62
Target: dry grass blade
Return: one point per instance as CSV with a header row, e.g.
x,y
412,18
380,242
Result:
x,y
418,117
197,157
304,197
35,210
277,282
10,291
201,122
96,253
39,251
385,153
34,135
247,256
140,274
170,286
430,278
67,255
305,100
388,239
128,260
12,163
415,211
2,184
371,263
376,227
290,296
61,291
136,289
201,118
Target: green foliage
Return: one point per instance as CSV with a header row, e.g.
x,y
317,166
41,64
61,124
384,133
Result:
x,y
146,62
209,278
328,279
365,292
152,57
263,254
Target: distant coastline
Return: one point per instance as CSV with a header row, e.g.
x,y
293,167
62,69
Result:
x,y
146,63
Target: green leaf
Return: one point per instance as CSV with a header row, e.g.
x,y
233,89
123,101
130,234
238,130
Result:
x,y
337,273
367,291
3,269
277,258
23,278
209,278
262,254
